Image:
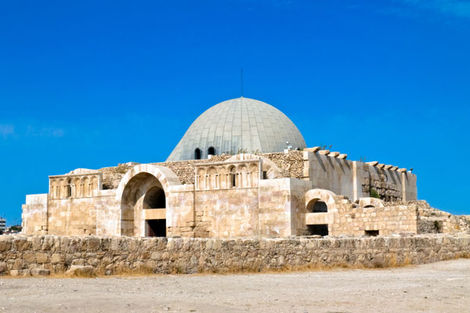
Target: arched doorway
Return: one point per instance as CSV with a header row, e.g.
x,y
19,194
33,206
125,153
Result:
x,y
143,207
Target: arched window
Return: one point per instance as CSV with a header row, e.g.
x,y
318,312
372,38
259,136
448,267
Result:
x,y
197,154
211,151
317,206
233,177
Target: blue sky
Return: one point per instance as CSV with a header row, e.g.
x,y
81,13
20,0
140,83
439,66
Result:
x,y
89,84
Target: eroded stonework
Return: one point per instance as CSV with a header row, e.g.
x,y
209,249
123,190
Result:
x,y
245,195
220,195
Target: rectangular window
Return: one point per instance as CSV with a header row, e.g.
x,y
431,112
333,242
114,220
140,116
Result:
x,y
372,233
321,229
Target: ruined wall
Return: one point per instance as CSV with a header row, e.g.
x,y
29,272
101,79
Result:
x,y
34,214
42,255
290,163
330,173
185,169
355,219
389,184
431,220
354,180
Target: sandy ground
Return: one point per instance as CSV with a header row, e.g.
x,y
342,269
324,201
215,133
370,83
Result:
x,y
438,287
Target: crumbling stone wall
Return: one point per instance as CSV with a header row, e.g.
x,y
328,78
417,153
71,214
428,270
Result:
x,y
22,255
113,175
290,163
431,220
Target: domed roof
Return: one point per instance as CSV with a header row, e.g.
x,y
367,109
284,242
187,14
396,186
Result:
x,y
238,125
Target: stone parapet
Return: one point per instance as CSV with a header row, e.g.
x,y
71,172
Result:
x,y
41,255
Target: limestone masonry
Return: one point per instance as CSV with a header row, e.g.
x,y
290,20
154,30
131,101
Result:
x,y
88,256
241,170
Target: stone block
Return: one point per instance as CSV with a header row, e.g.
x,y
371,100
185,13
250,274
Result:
x,y
42,257
40,272
81,271
3,267
5,243
57,258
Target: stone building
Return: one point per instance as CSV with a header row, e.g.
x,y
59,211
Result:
x,y
242,169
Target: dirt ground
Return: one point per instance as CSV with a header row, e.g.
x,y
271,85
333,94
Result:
x,y
438,287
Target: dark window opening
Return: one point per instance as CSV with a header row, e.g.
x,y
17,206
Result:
x,y
197,154
369,206
211,151
265,175
317,206
155,198
155,228
233,179
321,229
372,233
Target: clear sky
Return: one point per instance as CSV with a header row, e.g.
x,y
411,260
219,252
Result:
x,y
89,84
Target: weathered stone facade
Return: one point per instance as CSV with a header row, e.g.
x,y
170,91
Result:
x,y
43,255
240,170
245,195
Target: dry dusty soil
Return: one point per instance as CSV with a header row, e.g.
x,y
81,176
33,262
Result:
x,y
438,287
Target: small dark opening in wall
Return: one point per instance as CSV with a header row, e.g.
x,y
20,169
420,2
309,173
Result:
x,y
265,175
233,178
372,233
155,198
211,151
317,206
197,154
321,229
156,228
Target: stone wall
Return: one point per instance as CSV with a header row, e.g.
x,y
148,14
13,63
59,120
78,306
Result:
x,y
291,164
387,219
41,255
431,220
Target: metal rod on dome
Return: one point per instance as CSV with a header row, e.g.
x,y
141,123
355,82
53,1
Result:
x,y
241,82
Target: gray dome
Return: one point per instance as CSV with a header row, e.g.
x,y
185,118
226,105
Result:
x,y
238,125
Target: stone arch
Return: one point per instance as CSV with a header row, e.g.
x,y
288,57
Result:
x,y
232,170
368,202
314,196
137,191
68,187
212,178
